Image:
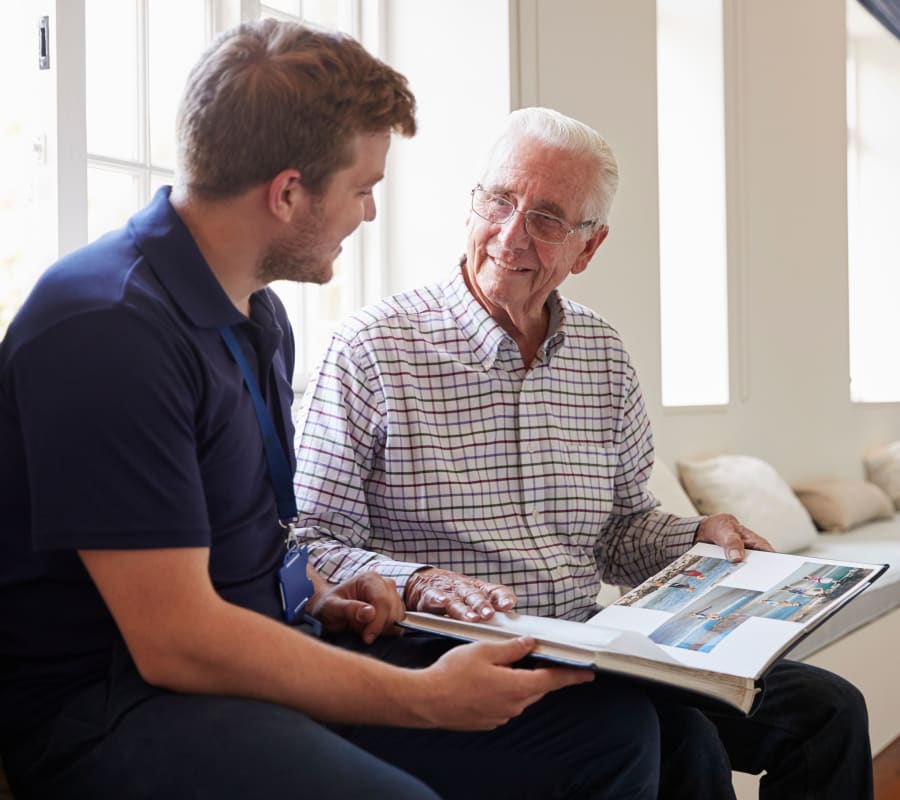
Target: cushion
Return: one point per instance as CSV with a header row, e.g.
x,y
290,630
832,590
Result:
x,y
883,469
755,493
671,495
839,505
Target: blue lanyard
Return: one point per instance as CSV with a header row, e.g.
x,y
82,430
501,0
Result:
x,y
279,467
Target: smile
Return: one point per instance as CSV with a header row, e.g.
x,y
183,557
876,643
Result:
x,y
508,267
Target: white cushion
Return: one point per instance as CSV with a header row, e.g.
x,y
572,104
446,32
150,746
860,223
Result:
x,y
755,493
883,469
671,495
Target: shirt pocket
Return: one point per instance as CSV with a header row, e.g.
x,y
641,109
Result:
x,y
585,486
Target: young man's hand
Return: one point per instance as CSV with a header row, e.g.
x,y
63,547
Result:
x,y
367,604
474,686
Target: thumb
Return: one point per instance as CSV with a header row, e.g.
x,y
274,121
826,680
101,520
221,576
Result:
x,y
343,610
361,612
508,652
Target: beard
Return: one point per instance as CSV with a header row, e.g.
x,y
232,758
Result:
x,y
301,255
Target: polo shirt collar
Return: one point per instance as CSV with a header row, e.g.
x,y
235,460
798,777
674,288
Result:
x,y
483,332
173,255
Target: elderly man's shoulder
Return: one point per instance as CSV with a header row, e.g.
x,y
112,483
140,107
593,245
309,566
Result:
x,y
585,321
394,313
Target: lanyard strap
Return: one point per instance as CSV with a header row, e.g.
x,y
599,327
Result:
x,y
279,469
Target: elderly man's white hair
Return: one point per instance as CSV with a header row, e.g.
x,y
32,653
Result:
x,y
565,133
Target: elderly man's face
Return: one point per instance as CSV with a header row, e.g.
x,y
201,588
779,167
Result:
x,y
509,272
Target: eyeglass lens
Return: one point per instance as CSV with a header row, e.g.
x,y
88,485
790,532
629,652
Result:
x,y
499,210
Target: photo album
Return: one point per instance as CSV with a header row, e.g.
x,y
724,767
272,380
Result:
x,y
702,626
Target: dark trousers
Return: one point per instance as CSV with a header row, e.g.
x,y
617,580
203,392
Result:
x,y
810,736
127,740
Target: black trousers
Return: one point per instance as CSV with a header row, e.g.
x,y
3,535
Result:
x,y
125,739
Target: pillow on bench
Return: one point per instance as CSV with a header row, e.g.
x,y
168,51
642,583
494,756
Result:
x,y
838,505
755,493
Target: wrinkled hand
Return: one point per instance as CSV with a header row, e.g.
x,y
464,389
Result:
x,y
368,604
474,688
438,591
734,538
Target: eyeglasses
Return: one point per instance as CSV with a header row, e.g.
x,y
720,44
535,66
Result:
x,y
538,224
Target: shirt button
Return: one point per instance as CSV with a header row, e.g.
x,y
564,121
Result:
x,y
532,447
536,514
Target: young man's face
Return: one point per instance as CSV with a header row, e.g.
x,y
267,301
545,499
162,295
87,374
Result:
x,y
308,251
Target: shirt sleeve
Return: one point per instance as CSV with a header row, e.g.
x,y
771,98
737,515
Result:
x,y
639,539
340,437
106,407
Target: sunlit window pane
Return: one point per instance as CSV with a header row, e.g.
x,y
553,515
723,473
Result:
x,y
324,12
113,96
176,38
113,196
873,96
692,221
291,7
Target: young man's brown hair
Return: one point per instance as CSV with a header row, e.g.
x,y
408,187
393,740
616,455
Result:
x,y
270,95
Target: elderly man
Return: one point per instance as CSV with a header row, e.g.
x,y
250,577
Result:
x,y
484,443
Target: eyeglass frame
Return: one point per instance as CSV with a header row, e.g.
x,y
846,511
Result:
x,y
530,213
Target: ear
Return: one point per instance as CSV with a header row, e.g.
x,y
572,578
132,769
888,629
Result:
x,y
285,195
590,247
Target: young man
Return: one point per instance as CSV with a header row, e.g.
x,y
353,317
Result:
x,y
485,444
145,429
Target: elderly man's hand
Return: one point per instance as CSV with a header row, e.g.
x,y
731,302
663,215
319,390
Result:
x,y
438,591
368,604
734,538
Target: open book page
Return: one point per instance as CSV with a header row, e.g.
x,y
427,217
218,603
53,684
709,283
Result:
x,y
710,614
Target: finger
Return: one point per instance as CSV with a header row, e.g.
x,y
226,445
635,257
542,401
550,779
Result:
x,y
477,599
382,620
502,597
553,678
734,546
382,594
369,622
458,609
433,601
754,541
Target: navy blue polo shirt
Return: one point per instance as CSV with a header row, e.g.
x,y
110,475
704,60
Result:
x,y
124,424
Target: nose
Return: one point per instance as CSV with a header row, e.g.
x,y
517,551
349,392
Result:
x,y
369,210
513,235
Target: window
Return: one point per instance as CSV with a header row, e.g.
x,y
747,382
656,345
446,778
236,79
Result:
x,y
873,173
692,221
137,57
